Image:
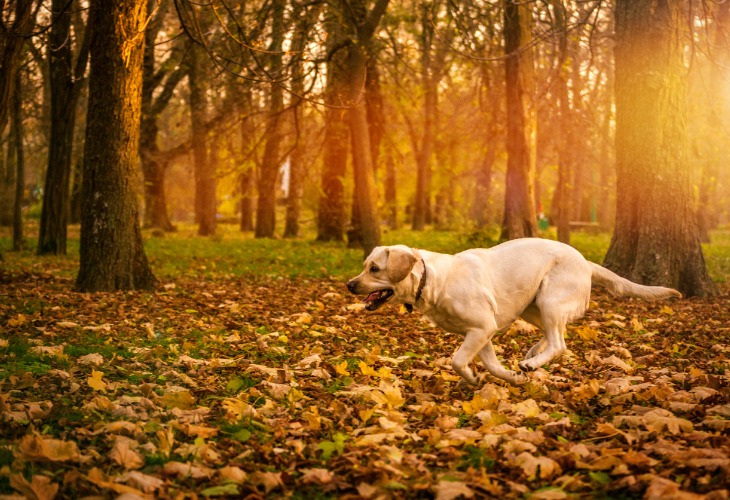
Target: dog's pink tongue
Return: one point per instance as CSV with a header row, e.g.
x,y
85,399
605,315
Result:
x,y
373,296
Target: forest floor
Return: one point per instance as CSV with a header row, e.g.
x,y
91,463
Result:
x,y
255,386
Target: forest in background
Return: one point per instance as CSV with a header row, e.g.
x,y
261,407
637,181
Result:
x,y
361,115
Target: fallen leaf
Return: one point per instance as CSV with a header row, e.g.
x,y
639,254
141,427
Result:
x,y
449,490
123,453
95,381
34,447
39,488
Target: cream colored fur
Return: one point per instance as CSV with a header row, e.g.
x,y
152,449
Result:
x,y
480,292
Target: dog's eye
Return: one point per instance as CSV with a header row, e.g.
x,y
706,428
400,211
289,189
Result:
x,y
374,269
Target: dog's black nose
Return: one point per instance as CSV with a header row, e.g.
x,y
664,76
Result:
x,y
351,285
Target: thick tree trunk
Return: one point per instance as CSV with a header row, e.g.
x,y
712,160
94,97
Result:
x,y
111,255
656,240
520,219
266,203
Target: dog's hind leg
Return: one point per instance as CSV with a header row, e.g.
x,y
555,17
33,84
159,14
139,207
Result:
x,y
531,314
493,366
554,343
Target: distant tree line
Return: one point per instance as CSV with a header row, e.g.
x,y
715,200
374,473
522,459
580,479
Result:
x,y
472,115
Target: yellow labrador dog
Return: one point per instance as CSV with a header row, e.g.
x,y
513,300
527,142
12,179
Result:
x,y
480,292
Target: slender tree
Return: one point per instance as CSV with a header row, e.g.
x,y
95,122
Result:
x,y
205,200
331,210
111,253
520,219
159,83
363,23
270,163
67,79
656,239
17,133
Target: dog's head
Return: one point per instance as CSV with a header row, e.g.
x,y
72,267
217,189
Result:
x,y
383,270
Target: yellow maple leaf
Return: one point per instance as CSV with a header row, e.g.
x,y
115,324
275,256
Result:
x,y
18,320
341,369
179,399
95,381
475,405
666,310
367,370
637,325
385,372
587,333
388,395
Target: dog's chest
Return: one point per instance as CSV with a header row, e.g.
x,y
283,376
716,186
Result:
x,y
446,320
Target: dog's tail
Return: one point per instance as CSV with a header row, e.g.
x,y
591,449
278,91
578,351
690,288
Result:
x,y
621,287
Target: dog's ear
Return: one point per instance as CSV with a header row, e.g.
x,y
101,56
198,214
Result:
x,y
400,263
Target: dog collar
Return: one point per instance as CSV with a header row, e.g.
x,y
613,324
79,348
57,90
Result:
x,y
419,291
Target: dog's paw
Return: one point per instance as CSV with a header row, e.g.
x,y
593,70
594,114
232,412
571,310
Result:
x,y
526,366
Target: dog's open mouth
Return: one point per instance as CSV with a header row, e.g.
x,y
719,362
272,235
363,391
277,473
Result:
x,y
377,298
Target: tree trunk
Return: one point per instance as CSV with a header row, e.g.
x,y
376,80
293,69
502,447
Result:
x,y
296,158
54,214
520,219
716,153
205,203
391,192
154,164
430,100
331,212
266,204
17,133
11,52
563,195
247,175
656,240
111,254
367,194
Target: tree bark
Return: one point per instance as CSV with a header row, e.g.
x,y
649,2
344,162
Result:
x,y
11,52
331,211
520,219
707,213
205,201
266,203
430,100
154,162
563,196
363,24
391,192
17,145
65,86
111,253
656,240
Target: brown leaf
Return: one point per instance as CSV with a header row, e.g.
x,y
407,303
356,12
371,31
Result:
x,y
39,487
123,453
317,476
449,490
34,447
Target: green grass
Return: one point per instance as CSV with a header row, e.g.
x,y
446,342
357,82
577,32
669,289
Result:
x,y
231,254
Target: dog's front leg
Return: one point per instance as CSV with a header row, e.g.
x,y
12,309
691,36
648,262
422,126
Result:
x,y
473,343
